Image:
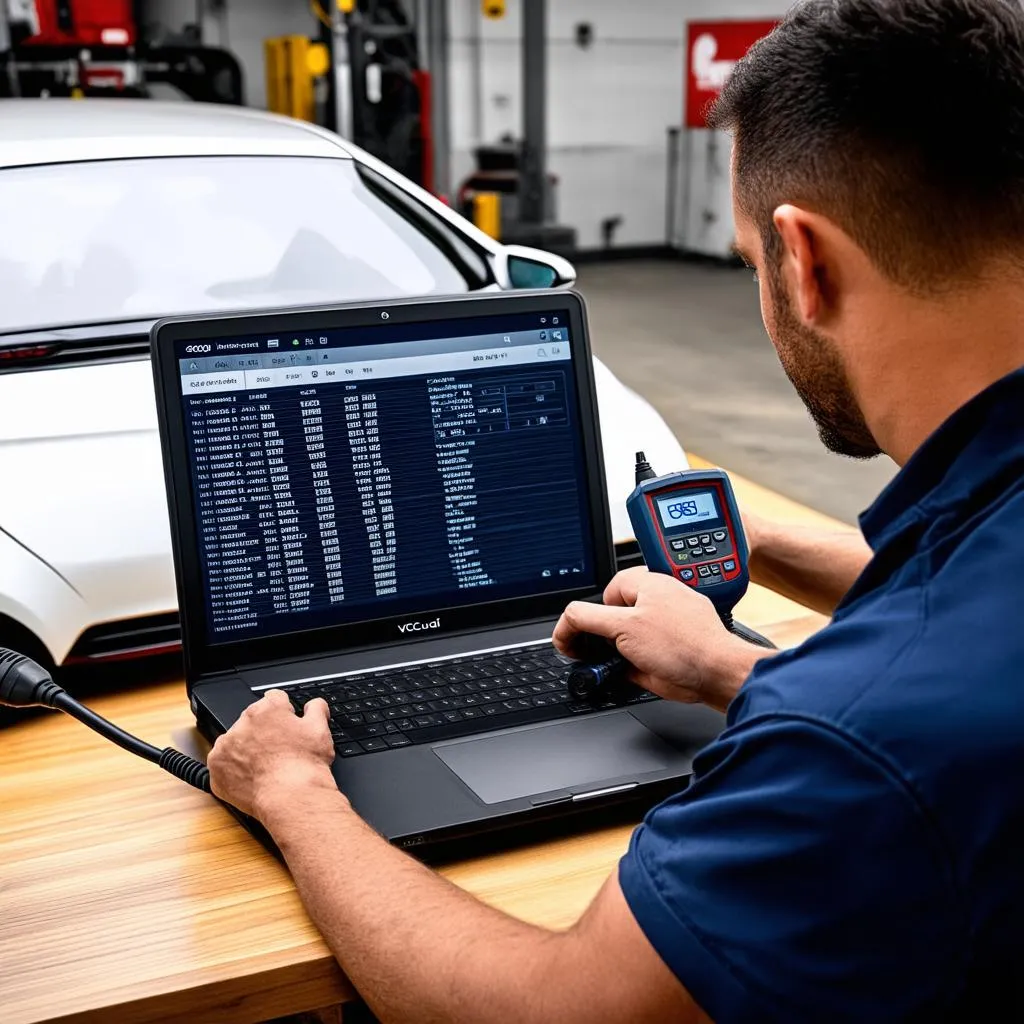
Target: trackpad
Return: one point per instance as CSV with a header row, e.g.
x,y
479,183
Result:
x,y
556,756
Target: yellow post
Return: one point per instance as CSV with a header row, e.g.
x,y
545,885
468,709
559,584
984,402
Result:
x,y
487,213
276,74
303,101
292,63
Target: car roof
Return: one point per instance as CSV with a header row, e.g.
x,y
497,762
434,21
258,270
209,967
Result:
x,y
49,131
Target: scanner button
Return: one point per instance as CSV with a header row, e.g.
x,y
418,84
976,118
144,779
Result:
x,y
687,575
720,535
705,538
679,545
704,571
694,542
710,549
716,570
729,566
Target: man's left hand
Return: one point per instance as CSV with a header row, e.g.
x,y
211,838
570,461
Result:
x,y
271,752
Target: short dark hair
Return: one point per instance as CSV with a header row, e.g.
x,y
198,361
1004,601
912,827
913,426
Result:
x,y
901,120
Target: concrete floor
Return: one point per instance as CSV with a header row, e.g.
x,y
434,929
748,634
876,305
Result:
x,y
689,338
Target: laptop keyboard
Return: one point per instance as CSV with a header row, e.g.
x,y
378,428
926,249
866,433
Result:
x,y
375,711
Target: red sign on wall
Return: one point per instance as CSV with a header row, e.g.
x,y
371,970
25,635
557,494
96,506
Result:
x,y
712,50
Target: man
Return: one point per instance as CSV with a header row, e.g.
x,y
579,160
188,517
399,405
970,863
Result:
x,y
852,847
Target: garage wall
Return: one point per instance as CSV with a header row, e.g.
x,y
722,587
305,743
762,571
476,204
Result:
x,y
609,105
609,109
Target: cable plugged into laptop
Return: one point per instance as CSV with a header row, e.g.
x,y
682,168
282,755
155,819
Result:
x,y
24,684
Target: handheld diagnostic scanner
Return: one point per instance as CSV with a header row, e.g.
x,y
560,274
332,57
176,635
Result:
x,y
688,526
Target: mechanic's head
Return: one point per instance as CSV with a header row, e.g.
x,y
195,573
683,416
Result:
x,y
878,175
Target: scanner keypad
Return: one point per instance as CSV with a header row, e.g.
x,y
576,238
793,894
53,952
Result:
x,y
703,559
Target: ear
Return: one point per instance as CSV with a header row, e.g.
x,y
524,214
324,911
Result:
x,y
804,266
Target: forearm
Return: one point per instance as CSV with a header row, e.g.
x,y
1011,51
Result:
x,y
723,670
398,930
416,947
810,565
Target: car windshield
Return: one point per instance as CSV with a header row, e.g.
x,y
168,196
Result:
x,y
135,239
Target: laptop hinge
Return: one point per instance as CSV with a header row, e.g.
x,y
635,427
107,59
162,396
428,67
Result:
x,y
395,645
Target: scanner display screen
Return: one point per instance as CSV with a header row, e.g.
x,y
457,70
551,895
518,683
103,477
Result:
x,y
344,475
688,508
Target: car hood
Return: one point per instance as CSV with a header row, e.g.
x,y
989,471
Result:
x,y
83,482
81,476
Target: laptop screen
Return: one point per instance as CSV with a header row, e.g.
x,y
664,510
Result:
x,y
341,476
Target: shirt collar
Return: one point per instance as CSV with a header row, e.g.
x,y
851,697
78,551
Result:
x,y
981,440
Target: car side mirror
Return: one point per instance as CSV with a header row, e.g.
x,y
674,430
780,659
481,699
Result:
x,y
526,267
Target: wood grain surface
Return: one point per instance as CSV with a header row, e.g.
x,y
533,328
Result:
x,y
127,897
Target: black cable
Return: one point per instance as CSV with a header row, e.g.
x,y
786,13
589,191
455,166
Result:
x,y
24,684
644,471
63,701
748,634
185,768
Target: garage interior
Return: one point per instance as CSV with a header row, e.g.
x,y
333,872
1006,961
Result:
x,y
638,199
565,128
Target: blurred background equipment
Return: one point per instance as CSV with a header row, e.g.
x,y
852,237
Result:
x,y
511,195
491,196
360,75
83,48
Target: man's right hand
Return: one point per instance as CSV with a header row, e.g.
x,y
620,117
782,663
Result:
x,y
671,635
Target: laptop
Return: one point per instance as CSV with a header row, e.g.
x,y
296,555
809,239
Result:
x,y
389,505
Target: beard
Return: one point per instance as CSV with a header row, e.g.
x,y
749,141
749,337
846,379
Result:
x,y
814,368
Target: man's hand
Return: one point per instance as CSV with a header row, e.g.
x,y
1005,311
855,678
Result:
x,y
671,635
271,754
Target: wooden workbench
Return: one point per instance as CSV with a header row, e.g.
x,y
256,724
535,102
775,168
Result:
x,y
128,897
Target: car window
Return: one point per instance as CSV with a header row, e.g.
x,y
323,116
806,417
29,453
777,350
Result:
x,y
461,250
112,240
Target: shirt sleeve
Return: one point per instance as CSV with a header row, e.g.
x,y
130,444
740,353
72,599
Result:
x,y
796,880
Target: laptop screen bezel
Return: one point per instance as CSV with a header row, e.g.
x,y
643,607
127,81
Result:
x,y
204,658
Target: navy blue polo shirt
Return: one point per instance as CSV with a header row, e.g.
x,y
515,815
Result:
x,y
852,847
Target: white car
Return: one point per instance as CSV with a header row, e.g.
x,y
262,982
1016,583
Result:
x,y
116,213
